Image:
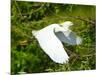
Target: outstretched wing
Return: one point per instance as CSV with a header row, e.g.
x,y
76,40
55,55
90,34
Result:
x,y
52,46
69,37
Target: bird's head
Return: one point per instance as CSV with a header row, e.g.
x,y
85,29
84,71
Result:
x,y
59,28
66,24
63,26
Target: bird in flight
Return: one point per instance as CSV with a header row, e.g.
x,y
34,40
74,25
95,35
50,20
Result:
x,y
50,39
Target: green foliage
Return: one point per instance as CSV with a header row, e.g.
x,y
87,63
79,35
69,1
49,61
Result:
x,y
27,56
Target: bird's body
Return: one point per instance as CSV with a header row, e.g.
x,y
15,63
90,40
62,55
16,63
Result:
x,y
50,40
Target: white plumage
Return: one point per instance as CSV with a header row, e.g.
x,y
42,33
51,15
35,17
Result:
x,y
51,37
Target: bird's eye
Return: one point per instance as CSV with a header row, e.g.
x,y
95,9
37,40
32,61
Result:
x,y
61,25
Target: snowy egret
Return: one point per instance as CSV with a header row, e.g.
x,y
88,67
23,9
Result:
x,y
51,37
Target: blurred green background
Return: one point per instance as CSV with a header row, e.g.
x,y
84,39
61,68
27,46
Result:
x,y
26,54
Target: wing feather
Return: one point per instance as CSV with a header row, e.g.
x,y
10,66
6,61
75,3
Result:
x,y
69,37
53,47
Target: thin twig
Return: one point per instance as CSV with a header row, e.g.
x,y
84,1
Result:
x,y
75,17
18,8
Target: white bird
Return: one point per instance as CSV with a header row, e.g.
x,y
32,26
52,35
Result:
x,y
51,37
